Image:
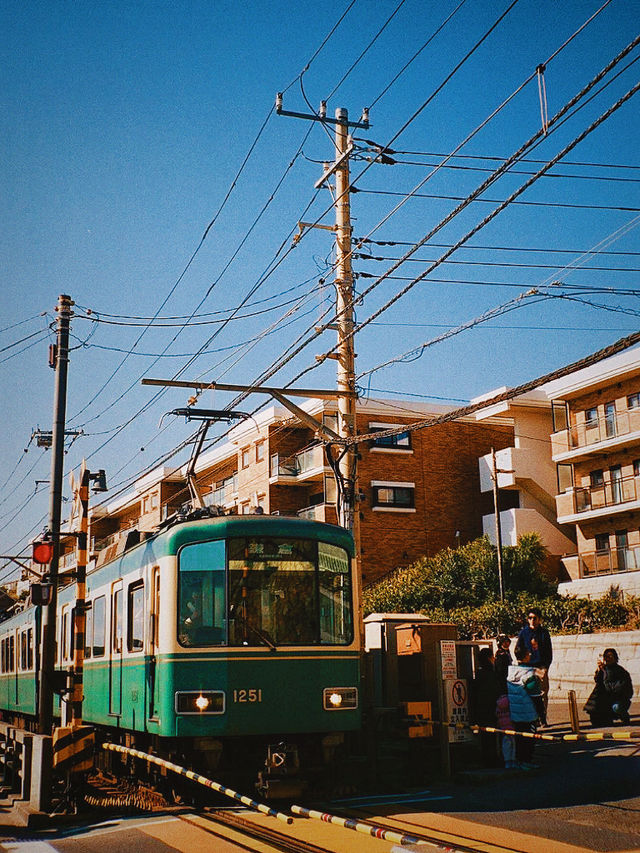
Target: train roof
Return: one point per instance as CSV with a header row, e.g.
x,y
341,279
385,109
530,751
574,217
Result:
x,y
169,541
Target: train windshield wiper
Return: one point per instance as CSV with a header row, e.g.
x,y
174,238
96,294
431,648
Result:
x,y
261,635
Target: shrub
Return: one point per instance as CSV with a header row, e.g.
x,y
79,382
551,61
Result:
x,y
461,586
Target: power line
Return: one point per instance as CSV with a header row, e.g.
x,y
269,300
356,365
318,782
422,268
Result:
x,y
509,265
549,204
522,249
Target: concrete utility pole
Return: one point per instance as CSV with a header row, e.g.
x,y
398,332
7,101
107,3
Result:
x,y
344,313
345,356
494,479
48,647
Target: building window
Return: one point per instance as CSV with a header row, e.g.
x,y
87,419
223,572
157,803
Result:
x,y
399,441
591,417
565,477
260,451
393,495
596,478
245,458
633,401
602,542
636,467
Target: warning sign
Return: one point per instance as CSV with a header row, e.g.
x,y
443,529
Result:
x,y
457,709
448,658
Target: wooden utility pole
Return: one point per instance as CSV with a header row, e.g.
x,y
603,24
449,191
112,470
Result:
x,y
48,646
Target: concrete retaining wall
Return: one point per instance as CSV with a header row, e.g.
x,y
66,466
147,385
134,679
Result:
x,y
575,658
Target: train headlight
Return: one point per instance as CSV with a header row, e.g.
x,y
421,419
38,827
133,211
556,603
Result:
x,y
340,698
200,702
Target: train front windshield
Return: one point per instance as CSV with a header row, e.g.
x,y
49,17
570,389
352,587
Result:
x,y
264,592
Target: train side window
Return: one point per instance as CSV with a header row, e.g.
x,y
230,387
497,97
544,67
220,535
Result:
x,y
99,625
23,650
116,621
64,632
154,622
135,617
88,629
12,658
3,655
30,648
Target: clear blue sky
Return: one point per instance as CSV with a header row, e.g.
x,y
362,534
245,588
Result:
x,y
125,124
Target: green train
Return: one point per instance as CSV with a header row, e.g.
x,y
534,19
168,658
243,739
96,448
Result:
x,y
228,641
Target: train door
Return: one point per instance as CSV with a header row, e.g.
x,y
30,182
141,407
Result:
x,y
134,685
115,650
153,645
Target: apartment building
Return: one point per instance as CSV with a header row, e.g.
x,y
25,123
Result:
x,y
596,449
418,492
526,477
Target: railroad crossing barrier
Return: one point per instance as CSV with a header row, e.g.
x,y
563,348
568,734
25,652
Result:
x,y
201,780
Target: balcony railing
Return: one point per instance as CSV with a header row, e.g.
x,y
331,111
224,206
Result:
x,y
604,428
610,562
309,459
618,491
319,512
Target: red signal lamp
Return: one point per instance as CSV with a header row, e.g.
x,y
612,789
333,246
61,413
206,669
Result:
x,y
42,552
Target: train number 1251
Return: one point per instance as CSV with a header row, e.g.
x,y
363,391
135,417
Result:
x,y
252,695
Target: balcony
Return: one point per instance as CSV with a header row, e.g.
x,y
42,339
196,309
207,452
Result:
x,y
614,430
307,464
319,512
610,562
582,502
225,494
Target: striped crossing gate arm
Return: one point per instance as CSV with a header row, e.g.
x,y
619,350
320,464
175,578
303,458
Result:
x,y
73,748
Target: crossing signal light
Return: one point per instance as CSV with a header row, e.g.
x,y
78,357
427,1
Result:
x,y
42,552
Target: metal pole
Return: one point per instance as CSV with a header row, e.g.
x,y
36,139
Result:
x,y
494,477
345,322
48,646
80,614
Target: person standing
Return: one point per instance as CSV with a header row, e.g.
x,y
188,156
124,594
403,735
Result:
x,y
503,660
485,690
523,688
535,638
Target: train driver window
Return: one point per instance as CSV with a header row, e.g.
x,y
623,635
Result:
x,y
135,617
99,624
201,594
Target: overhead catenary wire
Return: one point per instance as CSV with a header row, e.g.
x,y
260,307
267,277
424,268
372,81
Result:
x,y
499,171
569,147
607,352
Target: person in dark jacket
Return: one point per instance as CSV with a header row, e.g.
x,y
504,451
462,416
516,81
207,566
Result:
x,y
611,697
484,695
503,661
535,638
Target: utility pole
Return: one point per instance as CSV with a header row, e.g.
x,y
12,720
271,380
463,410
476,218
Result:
x,y
345,321
48,646
494,478
347,516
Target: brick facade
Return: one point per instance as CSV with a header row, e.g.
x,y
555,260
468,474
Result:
x,y
438,474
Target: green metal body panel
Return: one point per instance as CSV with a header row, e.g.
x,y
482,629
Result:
x,y
281,692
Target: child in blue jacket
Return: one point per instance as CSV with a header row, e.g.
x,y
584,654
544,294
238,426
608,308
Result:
x,y
524,690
